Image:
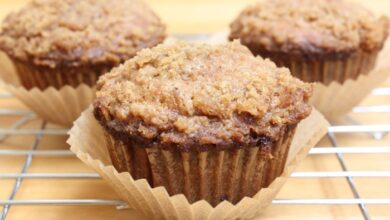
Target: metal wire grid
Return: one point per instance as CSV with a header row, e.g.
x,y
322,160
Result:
x,y
377,132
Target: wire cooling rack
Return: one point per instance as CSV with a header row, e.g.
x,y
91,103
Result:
x,y
376,132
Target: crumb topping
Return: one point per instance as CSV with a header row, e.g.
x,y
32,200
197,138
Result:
x,y
308,26
198,94
80,32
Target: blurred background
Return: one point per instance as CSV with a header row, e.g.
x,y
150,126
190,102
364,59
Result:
x,y
195,16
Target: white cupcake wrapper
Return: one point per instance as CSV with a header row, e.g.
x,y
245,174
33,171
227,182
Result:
x,y
60,106
88,143
337,99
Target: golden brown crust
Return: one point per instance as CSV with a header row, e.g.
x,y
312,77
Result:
x,y
73,32
330,29
190,94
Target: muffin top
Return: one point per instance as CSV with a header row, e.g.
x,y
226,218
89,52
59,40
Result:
x,y
80,32
315,28
188,94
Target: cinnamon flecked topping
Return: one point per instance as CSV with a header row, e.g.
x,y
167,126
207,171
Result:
x,y
189,94
311,27
80,32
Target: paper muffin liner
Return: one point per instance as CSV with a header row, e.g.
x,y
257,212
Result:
x,y
347,83
335,100
87,141
341,84
212,175
32,76
344,83
7,70
61,106
329,71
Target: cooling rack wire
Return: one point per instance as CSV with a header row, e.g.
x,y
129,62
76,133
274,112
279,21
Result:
x,y
377,132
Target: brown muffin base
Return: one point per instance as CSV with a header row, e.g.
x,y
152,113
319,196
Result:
x,y
325,70
32,76
213,175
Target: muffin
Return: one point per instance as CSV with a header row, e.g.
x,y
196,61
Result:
x,y
320,41
211,122
70,42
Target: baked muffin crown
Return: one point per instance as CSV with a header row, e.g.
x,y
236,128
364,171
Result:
x,y
187,94
80,32
314,28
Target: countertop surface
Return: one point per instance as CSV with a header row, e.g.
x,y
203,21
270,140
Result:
x,y
191,17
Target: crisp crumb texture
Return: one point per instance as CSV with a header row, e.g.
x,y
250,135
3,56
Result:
x,y
310,26
73,32
197,94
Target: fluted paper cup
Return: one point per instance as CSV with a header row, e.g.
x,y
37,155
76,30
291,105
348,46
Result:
x,y
345,84
87,141
60,106
214,175
335,100
32,76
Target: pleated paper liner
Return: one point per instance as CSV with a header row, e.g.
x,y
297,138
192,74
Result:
x,y
327,71
43,77
213,175
87,141
59,106
335,99
7,70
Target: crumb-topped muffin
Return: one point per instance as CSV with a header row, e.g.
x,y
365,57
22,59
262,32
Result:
x,y
324,40
210,121
69,42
